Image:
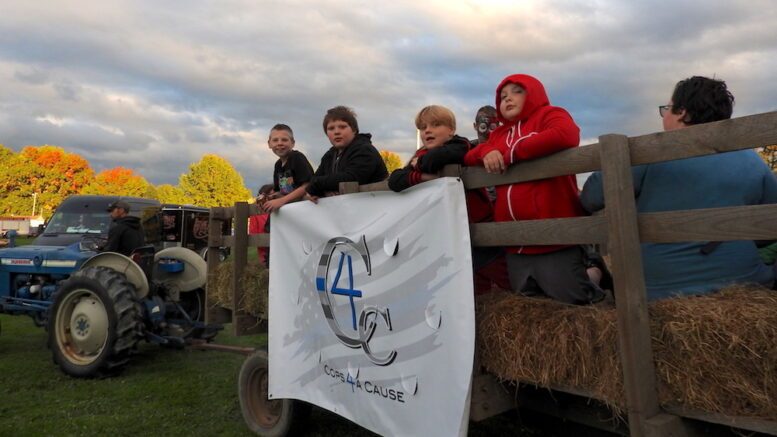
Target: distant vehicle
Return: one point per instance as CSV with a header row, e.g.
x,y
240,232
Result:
x,y
87,216
187,226
98,306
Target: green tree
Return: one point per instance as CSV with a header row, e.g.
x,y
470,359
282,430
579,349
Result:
x,y
119,181
7,161
769,154
167,193
213,182
5,154
391,159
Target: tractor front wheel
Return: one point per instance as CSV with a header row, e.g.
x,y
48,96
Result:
x,y
265,417
94,323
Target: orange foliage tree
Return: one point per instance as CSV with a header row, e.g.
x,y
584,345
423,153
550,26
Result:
x,y
119,181
47,172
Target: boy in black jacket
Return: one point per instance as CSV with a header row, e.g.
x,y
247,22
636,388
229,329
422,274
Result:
x,y
441,146
352,157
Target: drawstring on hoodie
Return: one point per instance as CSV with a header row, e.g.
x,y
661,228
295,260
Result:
x,y
511,135
512,143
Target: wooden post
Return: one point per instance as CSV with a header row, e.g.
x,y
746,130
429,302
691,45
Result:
x,y
240,259
215,241
639,378
349,187
451,170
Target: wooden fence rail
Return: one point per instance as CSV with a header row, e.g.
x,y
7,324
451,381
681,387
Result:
x,y
620,228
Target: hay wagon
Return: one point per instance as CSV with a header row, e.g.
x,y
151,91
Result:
x,y
619,230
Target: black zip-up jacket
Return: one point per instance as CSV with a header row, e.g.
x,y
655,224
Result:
x,y
429,161
359,162
124,236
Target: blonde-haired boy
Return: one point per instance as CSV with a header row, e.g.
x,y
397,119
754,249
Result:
x,y
441,146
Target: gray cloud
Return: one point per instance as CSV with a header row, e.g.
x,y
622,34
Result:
x,y
156,91
31,75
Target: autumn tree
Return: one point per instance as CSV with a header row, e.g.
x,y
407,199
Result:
x,y
213,182
9,184
118,181
769,154
7,161
391,159
46,171
167,193
5,153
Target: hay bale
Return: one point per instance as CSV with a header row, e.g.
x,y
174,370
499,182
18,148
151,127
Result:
x,y
718,353
550,344
219,291
715,353
256,281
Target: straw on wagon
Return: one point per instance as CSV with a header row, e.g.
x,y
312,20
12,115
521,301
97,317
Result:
x,y
715,353
256,279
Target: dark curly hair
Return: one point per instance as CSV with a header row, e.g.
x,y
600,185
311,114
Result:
x,y
487,110
704,100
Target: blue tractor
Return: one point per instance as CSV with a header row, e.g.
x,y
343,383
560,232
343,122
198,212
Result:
x,y
98,306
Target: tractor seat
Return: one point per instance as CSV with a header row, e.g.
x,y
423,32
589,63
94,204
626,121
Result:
x,y
143,256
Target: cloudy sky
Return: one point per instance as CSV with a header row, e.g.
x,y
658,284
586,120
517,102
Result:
x,y
154,85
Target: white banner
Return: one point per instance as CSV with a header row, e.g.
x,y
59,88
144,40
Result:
x,y
372,310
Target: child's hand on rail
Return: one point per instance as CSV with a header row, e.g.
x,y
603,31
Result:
x,y
271,205
493,162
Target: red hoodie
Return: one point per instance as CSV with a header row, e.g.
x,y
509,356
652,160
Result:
x,y
538,130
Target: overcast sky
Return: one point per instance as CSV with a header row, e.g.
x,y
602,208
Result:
x,y
154,85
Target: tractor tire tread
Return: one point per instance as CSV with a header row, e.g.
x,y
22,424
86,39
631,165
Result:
x,y
128,326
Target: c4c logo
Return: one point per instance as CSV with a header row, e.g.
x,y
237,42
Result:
x,y
369,316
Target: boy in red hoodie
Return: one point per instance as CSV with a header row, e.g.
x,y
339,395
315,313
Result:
x,y
532,128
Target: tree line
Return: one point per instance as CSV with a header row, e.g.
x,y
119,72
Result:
x,y
41,177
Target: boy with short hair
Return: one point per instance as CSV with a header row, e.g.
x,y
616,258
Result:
x,y
485,123
352,157
441,146
532,128
292,170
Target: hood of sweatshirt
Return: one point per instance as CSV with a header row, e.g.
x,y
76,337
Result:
x,y
535,96
361,139
129,221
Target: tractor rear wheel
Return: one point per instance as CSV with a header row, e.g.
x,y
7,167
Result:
x,y
94,323
265,417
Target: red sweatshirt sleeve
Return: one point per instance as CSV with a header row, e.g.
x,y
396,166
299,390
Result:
x,y
557,132
475,156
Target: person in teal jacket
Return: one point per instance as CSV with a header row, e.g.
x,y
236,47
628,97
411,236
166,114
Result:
x,y
719,180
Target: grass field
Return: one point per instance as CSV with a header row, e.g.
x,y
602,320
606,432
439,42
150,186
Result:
x,y
162,392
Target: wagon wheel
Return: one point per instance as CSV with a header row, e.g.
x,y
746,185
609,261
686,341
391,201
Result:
x,y
265,417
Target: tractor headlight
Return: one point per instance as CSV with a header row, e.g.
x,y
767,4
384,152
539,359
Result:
x,y
88,246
